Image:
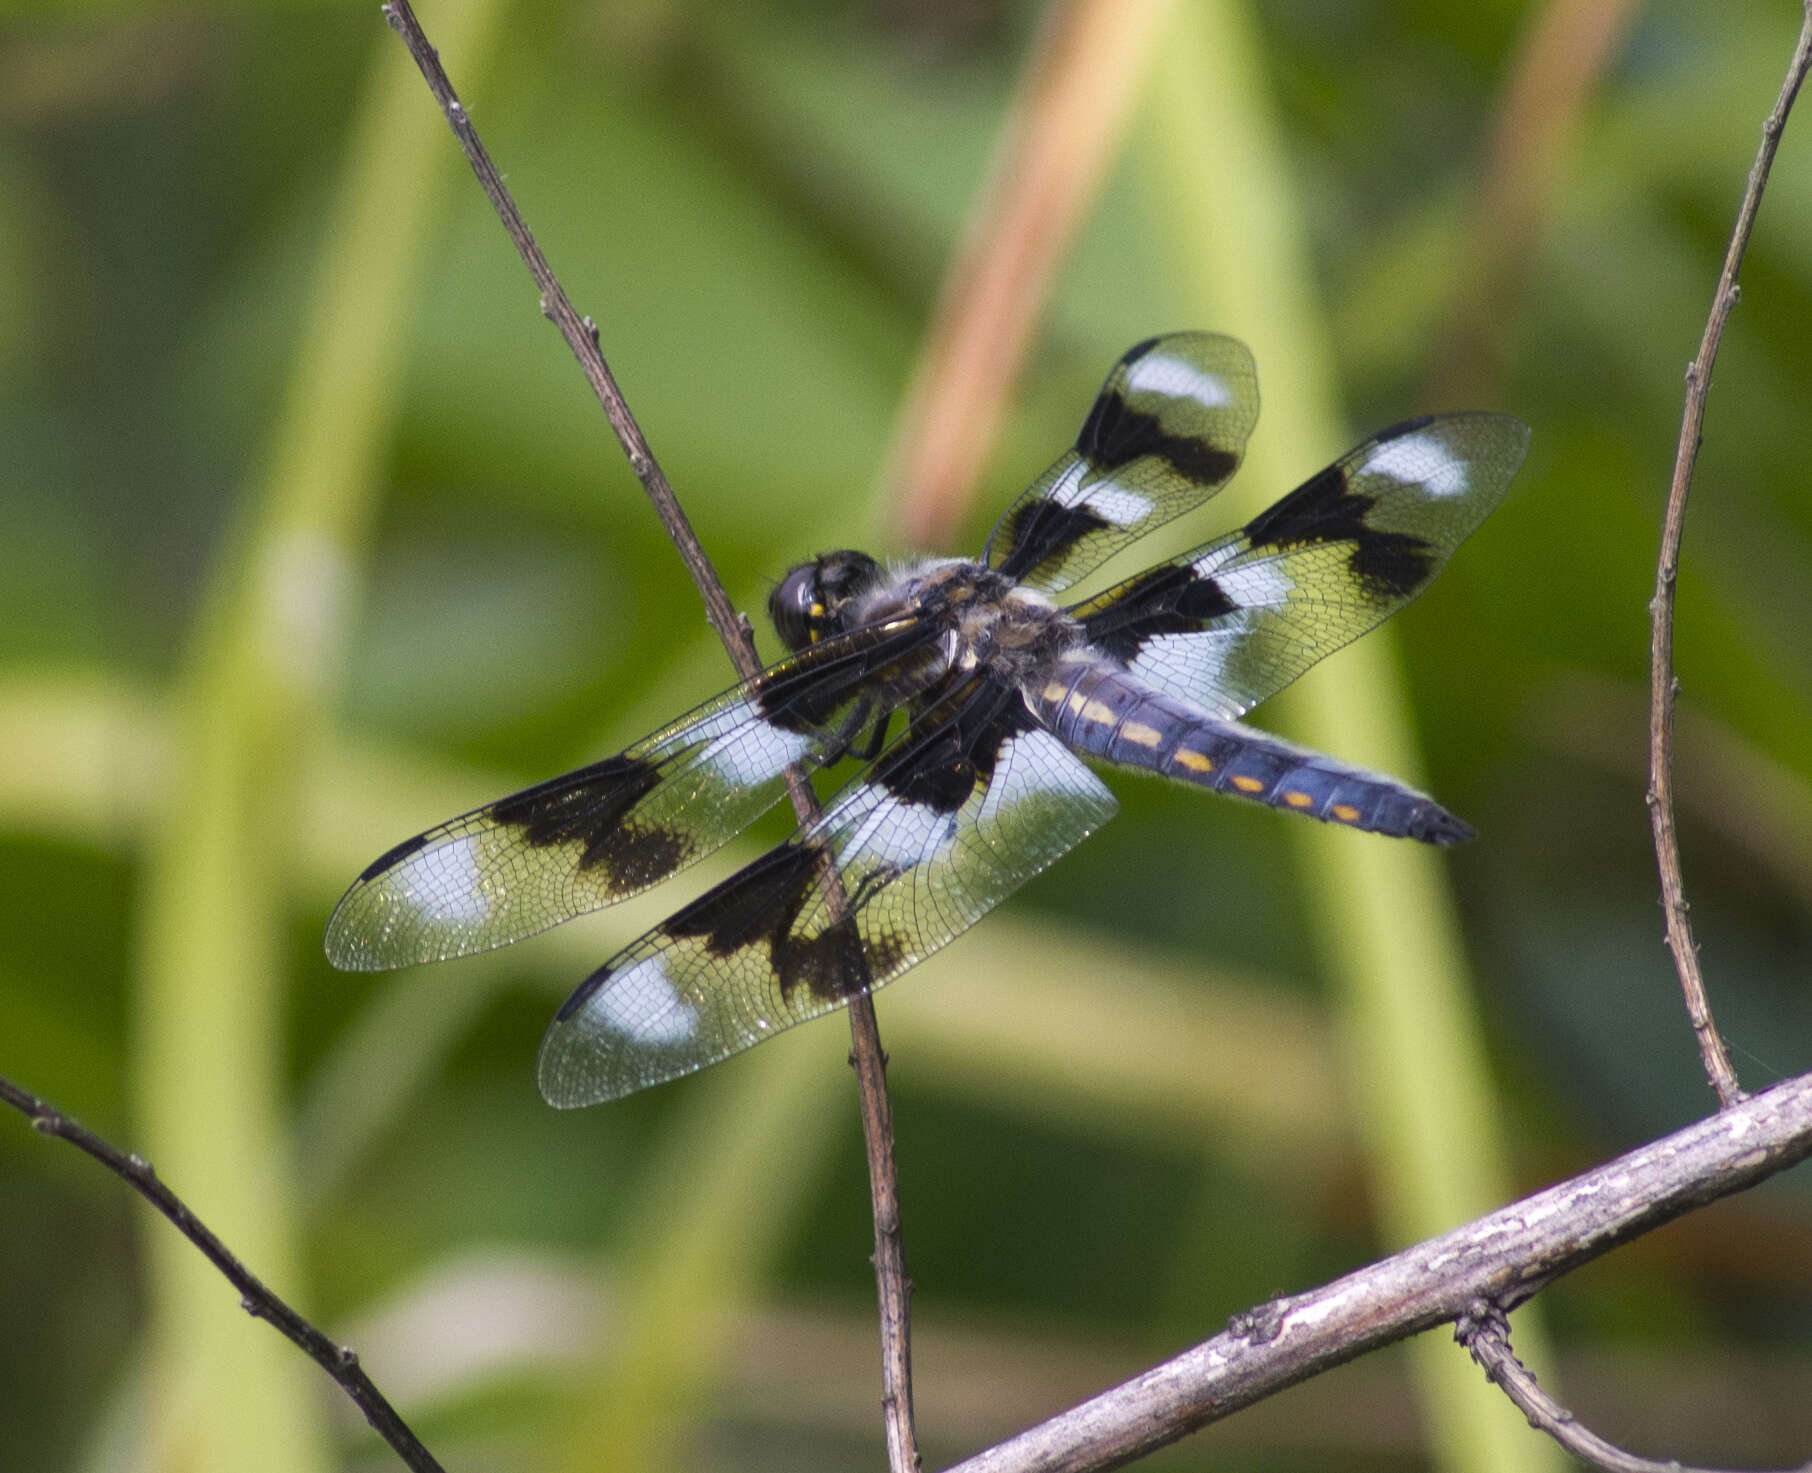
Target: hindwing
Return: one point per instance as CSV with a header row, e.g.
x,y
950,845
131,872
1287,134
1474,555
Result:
x,y
972,800
1238,619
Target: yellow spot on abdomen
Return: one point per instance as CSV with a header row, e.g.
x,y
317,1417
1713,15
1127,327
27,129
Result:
x,y
1055,692
1298,800
1345,812
1194,761
1098,711
1141,735
1248,785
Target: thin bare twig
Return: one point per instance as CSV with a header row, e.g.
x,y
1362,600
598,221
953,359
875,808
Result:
x,y
1663,686
255,1297
1504,1257
866,1054
891,1283
1485,1332
893,1290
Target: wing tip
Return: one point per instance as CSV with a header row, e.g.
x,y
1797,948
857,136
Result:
x,y
391,857
345,948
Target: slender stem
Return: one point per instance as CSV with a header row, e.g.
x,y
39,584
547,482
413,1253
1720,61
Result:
x,y
891,1284
1485,1332
865,1039
1663,685
257,1299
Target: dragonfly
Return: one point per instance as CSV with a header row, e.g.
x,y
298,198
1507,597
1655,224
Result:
x,y
975,700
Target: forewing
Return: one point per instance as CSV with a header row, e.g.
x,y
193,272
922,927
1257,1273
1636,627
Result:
x,y
1235,621
1166,432
970,802
596,836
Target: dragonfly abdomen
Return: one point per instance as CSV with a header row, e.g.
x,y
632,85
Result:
x,y
1107,713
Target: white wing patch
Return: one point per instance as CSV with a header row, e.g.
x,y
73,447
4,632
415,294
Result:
x,y
443,882
1032,763
1114,502
902,834
721,723
1121,507
1192,665
640,1004
755,753
1219,555
1162,374
1259,585
1420,460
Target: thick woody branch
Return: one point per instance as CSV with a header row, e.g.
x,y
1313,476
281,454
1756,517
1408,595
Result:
x,y
1502,1259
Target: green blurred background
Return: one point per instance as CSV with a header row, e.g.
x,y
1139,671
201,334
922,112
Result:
x,y
313,536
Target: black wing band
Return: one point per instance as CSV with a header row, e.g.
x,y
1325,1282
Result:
x,y
1232,622
596,836
1166,432
969,802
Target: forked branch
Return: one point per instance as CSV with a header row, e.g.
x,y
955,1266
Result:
x,y
1503,1258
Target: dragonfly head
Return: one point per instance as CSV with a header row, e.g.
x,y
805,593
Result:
x,y
812,600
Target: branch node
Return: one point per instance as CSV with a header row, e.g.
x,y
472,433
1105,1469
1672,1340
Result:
x,y
1261,1324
